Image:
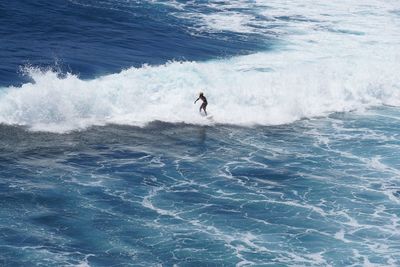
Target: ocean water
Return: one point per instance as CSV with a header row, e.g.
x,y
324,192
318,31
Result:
x,y
105,161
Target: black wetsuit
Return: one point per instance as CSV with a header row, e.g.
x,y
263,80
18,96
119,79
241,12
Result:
x,y
204,104
204,99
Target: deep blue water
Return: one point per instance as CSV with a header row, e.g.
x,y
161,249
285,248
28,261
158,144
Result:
x,y
105,161
93,38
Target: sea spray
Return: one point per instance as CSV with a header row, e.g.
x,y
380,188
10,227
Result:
x,y
260,89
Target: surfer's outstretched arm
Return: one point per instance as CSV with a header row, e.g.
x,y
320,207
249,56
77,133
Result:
x,y
196,100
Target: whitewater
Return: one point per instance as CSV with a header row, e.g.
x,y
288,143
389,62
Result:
x,y
321,63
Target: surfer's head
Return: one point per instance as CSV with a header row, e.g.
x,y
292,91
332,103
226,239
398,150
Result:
x,y
201,93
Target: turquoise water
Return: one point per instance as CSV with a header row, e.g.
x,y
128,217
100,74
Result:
x,y
316,192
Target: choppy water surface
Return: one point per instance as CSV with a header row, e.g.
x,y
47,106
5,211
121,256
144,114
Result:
x,y
317,192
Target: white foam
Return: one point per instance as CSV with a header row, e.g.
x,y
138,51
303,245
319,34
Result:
x,y
323,71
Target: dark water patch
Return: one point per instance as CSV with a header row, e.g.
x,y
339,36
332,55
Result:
x,y
396,11
299,18
102,38
347,31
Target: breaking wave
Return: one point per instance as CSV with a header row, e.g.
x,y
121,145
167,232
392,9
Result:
x,y
248,90
324,64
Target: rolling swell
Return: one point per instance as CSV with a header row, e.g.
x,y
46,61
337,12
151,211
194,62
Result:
x,y
95,38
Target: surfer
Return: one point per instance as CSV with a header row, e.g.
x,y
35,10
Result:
x,y
204,105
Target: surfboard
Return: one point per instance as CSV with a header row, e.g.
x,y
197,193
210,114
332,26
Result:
x,y
208,117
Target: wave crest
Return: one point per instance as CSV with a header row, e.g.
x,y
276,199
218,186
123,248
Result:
x,y
260,89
